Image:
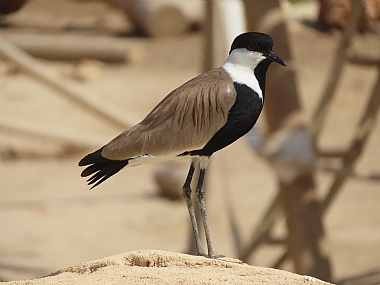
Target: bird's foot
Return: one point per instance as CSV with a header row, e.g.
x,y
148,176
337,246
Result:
x,y
213,254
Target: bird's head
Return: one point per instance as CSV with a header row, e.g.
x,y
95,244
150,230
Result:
x,y
252,48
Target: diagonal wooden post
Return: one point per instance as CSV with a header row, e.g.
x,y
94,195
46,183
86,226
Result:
x,y
361,136
71,90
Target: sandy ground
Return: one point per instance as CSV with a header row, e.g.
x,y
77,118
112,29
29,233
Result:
x,y
49,219
160,267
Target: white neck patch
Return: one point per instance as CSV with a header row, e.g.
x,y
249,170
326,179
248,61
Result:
x,y
241,64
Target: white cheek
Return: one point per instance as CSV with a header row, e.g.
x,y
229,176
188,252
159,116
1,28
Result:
x,y
257,57
244,57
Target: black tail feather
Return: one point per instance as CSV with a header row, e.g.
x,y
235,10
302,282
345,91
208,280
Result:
x,y
92,158
101,168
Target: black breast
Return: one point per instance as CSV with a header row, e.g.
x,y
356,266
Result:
x,y
241,118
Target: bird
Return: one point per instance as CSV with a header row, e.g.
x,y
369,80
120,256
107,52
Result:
x,y
200,117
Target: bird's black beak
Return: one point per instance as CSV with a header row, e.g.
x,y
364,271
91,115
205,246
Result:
x,y
274,57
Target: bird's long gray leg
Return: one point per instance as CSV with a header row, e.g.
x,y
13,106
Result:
x,y
186,192
202,207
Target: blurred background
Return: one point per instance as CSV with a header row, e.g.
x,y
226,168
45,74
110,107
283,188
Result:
x,y
302,188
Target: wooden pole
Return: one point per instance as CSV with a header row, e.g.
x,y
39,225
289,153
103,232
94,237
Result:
x,y
215,50
297,195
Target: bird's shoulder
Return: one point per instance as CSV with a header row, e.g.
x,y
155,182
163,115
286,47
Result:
x,y
208,93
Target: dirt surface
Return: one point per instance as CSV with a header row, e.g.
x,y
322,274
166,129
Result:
x,y
158,267
49,219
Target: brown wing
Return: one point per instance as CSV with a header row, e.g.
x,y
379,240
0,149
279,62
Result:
x,y
184,120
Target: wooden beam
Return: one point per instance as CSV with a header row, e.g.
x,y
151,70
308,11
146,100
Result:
x,y
69,89
358,143
71,47
363,59
350,173
49,132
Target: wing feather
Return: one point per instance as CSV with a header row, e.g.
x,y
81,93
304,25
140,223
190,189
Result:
x,y
184,120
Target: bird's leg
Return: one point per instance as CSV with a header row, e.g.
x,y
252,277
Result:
x,y
202,207
186,192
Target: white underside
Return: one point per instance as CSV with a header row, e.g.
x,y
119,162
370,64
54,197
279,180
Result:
x,y
241,64
202,161
147,158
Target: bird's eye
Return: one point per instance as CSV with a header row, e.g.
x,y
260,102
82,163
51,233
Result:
x,y
251,47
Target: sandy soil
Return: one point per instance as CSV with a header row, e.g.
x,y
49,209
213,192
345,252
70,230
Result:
x,y
160,267
49,219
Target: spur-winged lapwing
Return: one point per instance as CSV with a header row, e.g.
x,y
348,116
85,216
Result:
x,y
202,116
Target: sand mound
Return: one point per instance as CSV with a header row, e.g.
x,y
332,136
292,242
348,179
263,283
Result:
x,y
161,267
